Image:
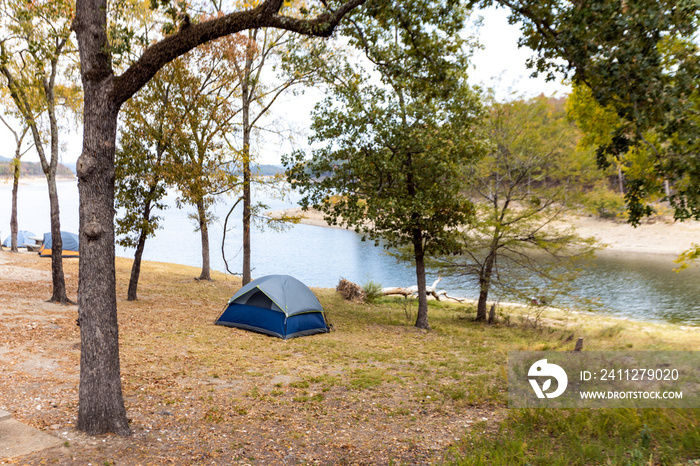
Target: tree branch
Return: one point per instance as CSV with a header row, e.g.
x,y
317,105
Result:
x,y
186,39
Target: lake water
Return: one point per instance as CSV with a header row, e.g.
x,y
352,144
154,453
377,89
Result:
x,y
639,286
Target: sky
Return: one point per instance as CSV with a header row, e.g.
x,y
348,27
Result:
x,y
500,65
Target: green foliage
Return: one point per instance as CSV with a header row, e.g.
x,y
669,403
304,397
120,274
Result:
x,y
621,50
604,202
373,291
174,135
36,53
202,161
604,130
393,153
688,257
141,162
640,60
597,123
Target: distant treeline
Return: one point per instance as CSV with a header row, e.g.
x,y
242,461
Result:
x,y
30,169
34,169
269,170
265,170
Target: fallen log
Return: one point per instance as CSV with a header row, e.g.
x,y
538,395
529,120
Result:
x,y
413,290
398,290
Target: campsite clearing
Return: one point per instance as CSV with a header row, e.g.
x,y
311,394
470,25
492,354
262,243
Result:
x,y
374,391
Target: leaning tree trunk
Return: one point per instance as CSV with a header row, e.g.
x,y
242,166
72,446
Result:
x,y
13,217
204,231
484,287
101,407
131,295
59,281
422,316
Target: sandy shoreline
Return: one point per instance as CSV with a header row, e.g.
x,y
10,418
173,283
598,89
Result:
x,y
29,180
661,237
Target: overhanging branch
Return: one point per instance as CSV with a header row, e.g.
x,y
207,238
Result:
x,y
187,38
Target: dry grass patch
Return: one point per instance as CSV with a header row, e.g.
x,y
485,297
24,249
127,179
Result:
x,y
375,390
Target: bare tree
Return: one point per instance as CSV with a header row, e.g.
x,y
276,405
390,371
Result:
x,y
16,166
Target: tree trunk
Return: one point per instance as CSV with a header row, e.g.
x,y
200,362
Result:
x,y
101,407
136,268
620,181
204,230
247,275
422,316
245,110
484,286
13,217
59,282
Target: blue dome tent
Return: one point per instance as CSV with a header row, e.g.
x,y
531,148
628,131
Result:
x,y
69,247
277,305
23,237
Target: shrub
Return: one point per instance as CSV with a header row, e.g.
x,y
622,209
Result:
x,y
350,291
373,291
604,203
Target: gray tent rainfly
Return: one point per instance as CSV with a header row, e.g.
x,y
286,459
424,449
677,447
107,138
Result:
x,y
277,305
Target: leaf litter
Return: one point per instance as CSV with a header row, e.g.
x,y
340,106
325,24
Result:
x,y
197,393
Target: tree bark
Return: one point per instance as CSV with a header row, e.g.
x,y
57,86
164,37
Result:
x,y
247,273
131,294
59,281
204,231
246,98
484,287
13,217
422,316
101,407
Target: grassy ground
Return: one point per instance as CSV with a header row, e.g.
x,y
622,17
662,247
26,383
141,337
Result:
x,y
374,391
